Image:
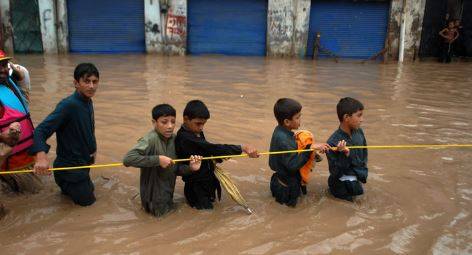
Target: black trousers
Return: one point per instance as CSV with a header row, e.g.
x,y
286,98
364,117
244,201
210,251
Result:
x,y
77,185
287,192
344,189
446,53
201,194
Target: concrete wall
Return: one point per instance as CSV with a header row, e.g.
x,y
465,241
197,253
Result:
x,y
153,26
175,28
413,15
48,25
393,31
280,24
302,24
7,31
62,27
287,27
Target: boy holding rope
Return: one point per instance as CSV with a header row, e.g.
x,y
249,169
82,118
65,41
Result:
x,y
153,154
348,168
200,187
286,182
74,124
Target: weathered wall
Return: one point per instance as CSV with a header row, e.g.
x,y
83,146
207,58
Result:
x,y
413,15
393,33
152,26
175,28
280,26
62,27
302,23
7,31
48,25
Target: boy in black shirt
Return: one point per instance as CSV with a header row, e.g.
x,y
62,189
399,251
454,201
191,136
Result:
x,y
201,186
348,168
285,183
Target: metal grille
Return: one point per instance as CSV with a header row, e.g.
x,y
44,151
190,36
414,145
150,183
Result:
x,y
26,26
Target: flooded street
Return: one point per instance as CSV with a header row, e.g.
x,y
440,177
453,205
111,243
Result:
x,y
416,201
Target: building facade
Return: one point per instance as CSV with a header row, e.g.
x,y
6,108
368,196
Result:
x,y
281,28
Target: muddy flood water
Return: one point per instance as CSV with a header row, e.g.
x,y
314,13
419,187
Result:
x,y
416,201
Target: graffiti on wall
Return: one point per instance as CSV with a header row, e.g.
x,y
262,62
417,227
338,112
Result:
x,y
151,27
176,24
47,16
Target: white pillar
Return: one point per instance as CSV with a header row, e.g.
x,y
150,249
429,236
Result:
x,y
401,49
6,25
175,27
280,26
301,27
414,14
62,27
152,26
48,25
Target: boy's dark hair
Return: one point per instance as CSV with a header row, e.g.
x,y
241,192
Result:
x,y
286,108
162,110
85,70
348,105
196,109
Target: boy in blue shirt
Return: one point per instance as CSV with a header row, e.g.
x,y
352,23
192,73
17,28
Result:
x,y
74,124
348,168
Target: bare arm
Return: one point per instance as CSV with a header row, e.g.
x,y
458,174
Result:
x,y
19,73
441,33
457,35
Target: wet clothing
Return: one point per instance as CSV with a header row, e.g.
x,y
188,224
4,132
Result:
x,y
15,108
347,172
157,184
304,138
79,190
74,125
285,183
201,187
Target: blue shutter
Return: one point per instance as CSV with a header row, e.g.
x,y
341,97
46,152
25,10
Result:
x,y
348,29
106,26
230,27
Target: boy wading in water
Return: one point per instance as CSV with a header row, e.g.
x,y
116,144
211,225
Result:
x,y
153,154
74,124
201,186
348,168
286,182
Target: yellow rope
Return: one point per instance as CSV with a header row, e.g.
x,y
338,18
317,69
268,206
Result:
x,y
415,146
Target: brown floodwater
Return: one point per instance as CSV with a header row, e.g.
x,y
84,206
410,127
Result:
x,y
416,201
